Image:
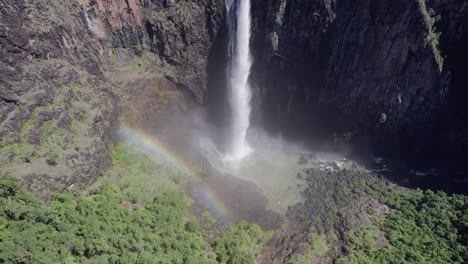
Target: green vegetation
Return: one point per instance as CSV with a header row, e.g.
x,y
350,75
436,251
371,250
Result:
x,y
139,65
33,119
139,50
318,246
16,149
240,244
126,217
422,227
102,228
433,36
163,62
140,176
42,135
138,213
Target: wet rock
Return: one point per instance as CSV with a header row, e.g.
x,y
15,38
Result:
x,y
383,118
302,160
376,69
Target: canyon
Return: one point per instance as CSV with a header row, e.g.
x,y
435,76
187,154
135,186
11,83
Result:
x,y
385,78
369,81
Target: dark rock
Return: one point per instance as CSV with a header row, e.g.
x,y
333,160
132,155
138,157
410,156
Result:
x,y
375,69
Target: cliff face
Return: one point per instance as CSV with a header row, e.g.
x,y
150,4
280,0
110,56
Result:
x,y
59,82
290,46
180,32
56,110
387,73
373,71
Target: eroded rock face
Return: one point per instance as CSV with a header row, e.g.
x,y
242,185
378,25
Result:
x,y
180,32
58,102
328,66
290,49
366,69
57,111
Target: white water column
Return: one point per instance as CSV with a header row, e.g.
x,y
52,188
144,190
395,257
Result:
x,y
240,62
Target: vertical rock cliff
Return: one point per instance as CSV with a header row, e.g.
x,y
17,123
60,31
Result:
x,y
385,74
180,32
379,73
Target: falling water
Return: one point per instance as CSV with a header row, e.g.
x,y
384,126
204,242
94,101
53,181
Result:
x,y
238,73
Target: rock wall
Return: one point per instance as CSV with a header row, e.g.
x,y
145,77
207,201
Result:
x,y
376,73
290,52
390,73
57,112
180,32
58,102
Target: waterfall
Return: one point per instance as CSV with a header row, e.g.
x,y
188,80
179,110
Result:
x,y
238,71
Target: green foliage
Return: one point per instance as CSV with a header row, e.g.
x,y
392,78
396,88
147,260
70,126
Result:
x,y
318,246
51,137
422,227
139,50
433,35
114,223
97,229
240,244
163,62
140,175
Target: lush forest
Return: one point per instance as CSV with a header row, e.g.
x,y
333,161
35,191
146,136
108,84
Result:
x,y
111,223
114,221
422,227
103,228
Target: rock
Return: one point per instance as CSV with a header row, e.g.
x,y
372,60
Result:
x,y
54,56
382,118
341,61
337,165
180,32
58,103
302,160
360,213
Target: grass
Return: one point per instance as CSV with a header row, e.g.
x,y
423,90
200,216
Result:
x,y
27,125
33,118
139,65
28,151
141,175
46,130
51,138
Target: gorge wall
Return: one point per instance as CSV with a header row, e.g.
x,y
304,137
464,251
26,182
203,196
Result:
x,y
60,95
384,75
57,111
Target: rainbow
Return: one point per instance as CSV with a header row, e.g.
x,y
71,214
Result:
x,y
159,150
